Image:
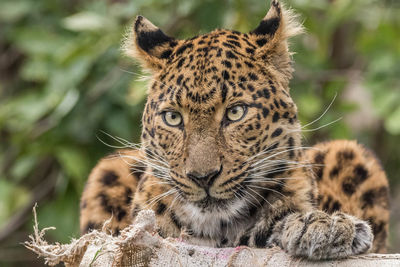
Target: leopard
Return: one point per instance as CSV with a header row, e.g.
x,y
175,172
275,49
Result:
x,y
221,160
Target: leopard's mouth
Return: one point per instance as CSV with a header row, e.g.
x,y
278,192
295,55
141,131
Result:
x,y
232,198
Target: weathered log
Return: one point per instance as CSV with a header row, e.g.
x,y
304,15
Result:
x,y
140,245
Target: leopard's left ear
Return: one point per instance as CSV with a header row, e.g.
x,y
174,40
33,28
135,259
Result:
x,y
271,36
149,44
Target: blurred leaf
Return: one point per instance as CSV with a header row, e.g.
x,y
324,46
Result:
x,y
21,112
23,166
120,123
87,21
35,70
392,124
124,10
37,40
76,164
12,198
11,11
310,105
339,130
65,106
137,92
384,102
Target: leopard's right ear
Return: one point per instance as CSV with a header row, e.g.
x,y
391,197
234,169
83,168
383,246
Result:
x,y
149,44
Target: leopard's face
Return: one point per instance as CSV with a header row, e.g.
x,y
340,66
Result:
x,y
218,109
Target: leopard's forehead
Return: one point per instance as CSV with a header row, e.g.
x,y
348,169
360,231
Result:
x,y
211,68
216,44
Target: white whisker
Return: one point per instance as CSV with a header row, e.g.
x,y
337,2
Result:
x,y
326,110
279,169
123,142
243,190
160,196
269,189
318,128
279,153
268,179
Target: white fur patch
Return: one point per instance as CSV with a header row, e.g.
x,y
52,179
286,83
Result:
x,y
208,222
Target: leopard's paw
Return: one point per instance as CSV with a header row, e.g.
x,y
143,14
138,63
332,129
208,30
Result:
x,y
305,235
317,235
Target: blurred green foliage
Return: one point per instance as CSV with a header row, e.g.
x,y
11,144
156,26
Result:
x,y
63,80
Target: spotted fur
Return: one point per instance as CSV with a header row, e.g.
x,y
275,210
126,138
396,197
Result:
x,y
243,182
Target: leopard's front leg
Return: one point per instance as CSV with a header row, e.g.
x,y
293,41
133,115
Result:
x,y
314,234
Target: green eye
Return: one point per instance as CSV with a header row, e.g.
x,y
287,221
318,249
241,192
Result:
x,y
172,118
236,113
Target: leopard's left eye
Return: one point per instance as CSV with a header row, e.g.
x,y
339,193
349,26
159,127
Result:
x,y
236,113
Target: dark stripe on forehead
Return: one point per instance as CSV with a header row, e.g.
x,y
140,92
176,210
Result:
x,y
178,97
224,92
199,98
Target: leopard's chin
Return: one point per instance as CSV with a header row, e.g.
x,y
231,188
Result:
x,y
212,203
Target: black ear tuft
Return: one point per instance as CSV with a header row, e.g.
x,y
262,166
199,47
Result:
x,y
267,27
149,44
270,24
148,36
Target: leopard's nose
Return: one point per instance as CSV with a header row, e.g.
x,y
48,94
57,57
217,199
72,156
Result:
x,y
204,180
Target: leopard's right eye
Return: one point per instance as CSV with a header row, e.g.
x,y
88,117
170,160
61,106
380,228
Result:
x,y
236,113
172,118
